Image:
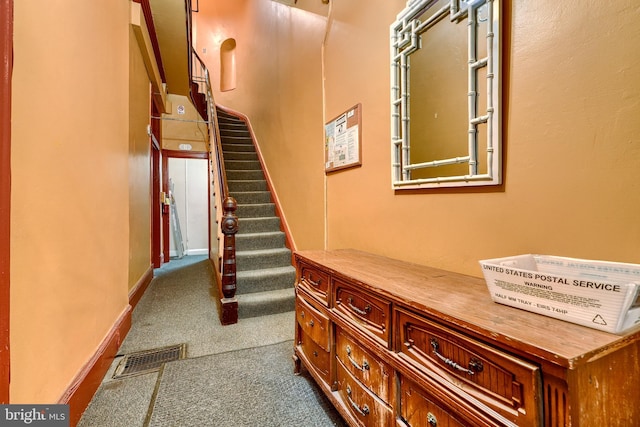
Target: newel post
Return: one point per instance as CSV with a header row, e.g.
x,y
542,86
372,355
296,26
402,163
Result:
x,y
229,228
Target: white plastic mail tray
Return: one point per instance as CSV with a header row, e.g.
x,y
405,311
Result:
x,y
598,294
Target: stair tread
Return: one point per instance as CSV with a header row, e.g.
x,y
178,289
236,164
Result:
x,y
262,251
259,218
257,296
283,291
249,192
255,204
262,234
266,303
273,271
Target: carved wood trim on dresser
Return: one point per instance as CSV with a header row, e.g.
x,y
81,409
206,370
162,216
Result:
x,y
394,344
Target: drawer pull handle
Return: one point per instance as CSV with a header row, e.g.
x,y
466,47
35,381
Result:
x,y
311,323
361,312
364,411
365,364
316,284
474,365
432,420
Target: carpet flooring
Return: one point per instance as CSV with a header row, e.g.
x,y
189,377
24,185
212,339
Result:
x,y
257,389
179,307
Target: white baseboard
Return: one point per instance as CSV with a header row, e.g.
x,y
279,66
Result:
x,y
174,253
197,252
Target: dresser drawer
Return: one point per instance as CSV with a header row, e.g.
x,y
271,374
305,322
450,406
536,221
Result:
x,y
421,408
368,369
369,313
314,281
364,406
314,355
505,383
313,321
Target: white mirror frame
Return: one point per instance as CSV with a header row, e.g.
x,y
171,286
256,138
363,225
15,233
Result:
x,y
405,39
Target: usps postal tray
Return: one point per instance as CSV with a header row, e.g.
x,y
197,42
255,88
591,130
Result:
x,y
599,294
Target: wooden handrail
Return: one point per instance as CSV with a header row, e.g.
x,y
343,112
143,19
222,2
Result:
x,y
225,260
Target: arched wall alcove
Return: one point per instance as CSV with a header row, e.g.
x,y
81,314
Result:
x,y
228,65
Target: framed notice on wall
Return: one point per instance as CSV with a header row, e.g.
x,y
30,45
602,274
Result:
x,y
342,140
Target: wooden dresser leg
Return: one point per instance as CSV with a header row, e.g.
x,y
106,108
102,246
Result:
x,y
297,366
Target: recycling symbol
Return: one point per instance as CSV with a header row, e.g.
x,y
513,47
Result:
x,y
599,320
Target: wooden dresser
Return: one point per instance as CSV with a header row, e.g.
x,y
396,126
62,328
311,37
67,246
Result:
x,y
398,344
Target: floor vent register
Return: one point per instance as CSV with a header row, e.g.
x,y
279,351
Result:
x,y
146,361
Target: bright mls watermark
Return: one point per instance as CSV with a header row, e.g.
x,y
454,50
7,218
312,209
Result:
x,y
34,415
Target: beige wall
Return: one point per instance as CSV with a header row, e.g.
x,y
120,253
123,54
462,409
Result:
x,y
571,103
139,165
185,128
571,131
70,189
279,87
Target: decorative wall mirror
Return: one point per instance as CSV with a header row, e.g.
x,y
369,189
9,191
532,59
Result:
x,y
445,94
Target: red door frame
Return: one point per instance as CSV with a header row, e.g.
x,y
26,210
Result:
x,y
6,41
165,211
157,258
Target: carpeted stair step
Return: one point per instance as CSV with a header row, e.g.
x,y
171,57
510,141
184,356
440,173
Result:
x,y
227,116
236,146
247,185
262,258
235,135
235,138
230,122
226,127
230,128
240,155
255,241
248,197
256,210
266,303
244,165
223,115
240,175
268,279
258,225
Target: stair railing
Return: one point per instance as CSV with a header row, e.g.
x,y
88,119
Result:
x,y
224,205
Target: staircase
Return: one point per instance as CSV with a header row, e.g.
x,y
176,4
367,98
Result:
x,y
265,276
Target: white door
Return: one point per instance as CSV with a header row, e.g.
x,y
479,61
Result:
x,y
190,178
